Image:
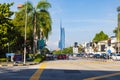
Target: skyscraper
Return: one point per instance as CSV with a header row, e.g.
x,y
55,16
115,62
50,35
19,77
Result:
x,y
62,38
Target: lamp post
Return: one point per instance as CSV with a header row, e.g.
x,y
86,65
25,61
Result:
x,y
25,34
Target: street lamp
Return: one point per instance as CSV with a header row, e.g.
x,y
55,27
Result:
x,y
20,6
25,34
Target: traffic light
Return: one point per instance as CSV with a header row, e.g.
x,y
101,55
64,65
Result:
x,y
76,44
109,42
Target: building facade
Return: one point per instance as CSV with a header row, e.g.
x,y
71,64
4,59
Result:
x,y
102,46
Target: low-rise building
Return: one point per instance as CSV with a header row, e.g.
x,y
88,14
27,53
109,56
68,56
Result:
x,y
105,46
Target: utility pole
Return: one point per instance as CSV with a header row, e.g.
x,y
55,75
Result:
x,y
25,34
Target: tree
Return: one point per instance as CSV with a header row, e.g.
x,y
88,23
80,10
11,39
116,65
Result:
x,y
100,36
45,19
39,20
67,50
8,31
117,29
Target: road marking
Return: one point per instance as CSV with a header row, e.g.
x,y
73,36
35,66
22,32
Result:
x,y
113,67
95,62
104,76
36,75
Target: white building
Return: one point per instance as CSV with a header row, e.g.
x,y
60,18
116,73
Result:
x,y
101,46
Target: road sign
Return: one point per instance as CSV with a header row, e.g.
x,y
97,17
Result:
x,y
40,44
109,51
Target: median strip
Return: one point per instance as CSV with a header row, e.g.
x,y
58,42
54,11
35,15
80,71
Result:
x,y
37,74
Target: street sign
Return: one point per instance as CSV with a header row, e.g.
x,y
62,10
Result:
x,y
10,54
40,44
109,51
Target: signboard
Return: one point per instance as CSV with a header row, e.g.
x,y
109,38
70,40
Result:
x,y
41,44
10,54
109,51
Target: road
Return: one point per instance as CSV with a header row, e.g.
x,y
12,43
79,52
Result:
x,y
74,69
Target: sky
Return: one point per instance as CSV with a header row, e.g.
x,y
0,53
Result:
x,y
82,19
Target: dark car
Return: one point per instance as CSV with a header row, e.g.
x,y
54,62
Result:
x,y
104,56
90,55
17,58
96,56
80,55
49,57
62,56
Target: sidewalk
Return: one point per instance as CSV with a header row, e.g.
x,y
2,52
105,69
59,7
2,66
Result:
x,y
2,64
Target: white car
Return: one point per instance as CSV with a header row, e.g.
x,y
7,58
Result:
x,y
116,57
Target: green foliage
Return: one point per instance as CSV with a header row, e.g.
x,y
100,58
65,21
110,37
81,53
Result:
x,y
3,59
45,23
8,32
36,19
64,51
45,51
117,30
57,52
100,36
67,50
39,58
43,5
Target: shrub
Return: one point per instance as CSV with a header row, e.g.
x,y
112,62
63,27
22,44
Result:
x,y
39,58
3,59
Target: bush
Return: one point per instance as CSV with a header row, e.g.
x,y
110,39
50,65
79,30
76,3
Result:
x,y
39,58
3,59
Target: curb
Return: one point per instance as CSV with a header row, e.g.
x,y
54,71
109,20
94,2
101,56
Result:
x,y
18,64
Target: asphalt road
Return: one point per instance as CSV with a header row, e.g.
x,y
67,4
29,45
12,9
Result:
x,y
73,69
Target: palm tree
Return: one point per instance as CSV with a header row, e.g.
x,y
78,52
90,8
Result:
x,y
39,20
45,20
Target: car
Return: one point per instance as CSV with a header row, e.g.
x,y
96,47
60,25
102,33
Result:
x,y
85,55
80,55
116,57
49,57
62,56
17,58
104,56
96,56
90,55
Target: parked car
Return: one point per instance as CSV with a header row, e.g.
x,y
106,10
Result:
x,y
80,55
17,58
90,55
116,57
104,56
49,57
85,55
96,56
62,56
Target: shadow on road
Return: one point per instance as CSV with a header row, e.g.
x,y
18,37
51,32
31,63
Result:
x,y
59,74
